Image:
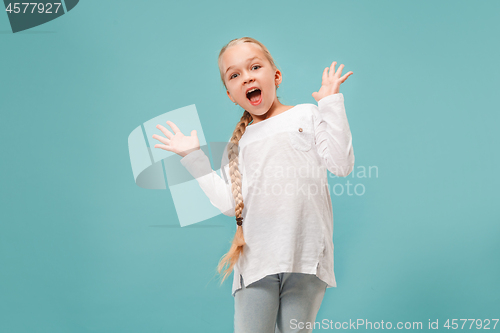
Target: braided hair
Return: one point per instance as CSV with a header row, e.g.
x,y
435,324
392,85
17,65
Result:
x,y
231,257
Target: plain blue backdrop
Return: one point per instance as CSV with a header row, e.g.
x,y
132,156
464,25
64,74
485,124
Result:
x,y
84,249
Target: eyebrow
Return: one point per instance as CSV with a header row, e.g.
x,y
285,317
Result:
x,y
248,60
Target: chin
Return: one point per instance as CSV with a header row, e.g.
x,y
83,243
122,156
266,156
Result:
x,y
260,109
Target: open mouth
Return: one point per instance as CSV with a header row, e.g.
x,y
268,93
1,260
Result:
x,y
255,97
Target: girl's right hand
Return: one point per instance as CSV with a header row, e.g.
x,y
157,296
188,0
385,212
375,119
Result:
x,y
178,142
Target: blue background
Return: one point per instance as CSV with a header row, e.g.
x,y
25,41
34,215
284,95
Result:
x,y
84,249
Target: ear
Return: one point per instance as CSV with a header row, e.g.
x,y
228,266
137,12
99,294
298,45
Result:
x,y
277,77
229,95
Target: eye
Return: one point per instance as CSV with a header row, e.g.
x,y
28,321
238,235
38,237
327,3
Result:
x,y
233,75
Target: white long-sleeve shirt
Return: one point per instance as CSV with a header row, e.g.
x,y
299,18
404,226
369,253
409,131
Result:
x,y
287,214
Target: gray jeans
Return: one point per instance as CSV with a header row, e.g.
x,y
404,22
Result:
x,y
278,303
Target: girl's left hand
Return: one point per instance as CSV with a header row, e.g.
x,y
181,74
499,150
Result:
x,y
331,81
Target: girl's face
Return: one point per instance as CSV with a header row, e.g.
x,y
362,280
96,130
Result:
x,y
244,67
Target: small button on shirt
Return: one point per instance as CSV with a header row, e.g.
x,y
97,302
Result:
x,y
287,215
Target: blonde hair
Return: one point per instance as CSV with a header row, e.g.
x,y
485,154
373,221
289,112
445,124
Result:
x,y
231,257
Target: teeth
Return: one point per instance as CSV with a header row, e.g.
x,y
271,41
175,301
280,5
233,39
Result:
x,y
248,92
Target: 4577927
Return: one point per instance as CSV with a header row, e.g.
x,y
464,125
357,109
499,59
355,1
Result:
x,y
474,323
24,7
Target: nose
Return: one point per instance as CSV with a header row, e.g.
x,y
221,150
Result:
x,y
248,77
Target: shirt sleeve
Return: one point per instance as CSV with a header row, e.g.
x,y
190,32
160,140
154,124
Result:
x,y
218,190
333,135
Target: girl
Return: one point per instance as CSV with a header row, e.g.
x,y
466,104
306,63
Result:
x,y
276,183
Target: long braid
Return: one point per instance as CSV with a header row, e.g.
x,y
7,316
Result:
x,y
231,257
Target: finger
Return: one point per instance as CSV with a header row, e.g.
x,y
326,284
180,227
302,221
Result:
x,y
164,147
164,131
332,68
194,133
339,70
325,74
161,139
174,127
343,78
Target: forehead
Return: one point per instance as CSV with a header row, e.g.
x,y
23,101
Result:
x,y
238,55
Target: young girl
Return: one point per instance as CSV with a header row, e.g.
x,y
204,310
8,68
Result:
x,y
276,186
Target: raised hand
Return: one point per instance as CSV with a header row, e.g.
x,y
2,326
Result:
x,y
331,81
178,142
